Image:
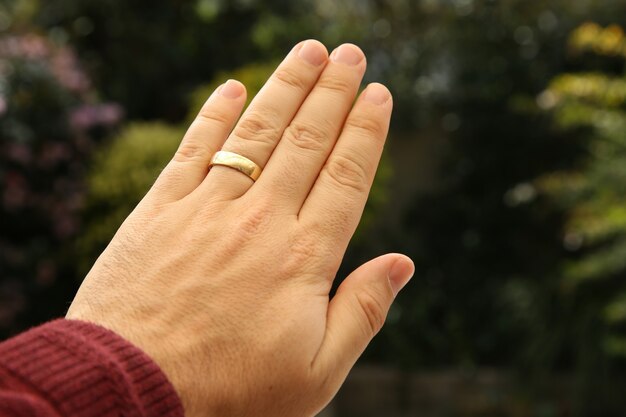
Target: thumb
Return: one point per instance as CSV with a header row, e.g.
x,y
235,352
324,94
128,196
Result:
x,y
358,312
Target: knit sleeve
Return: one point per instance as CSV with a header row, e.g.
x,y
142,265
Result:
x,y
76,369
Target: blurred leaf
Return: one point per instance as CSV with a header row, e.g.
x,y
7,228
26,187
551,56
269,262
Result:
x,y
603,41
120,176
595,88
208,10
253,76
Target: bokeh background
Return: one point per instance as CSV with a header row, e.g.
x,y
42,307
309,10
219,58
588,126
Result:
x,y
504,177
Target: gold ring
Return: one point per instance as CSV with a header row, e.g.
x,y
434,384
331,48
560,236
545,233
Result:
x,y
238,162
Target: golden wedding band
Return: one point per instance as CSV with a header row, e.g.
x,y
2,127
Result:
x,y
238,162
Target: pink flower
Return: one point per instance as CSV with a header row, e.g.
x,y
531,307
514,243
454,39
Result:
x,y
88,116
64,66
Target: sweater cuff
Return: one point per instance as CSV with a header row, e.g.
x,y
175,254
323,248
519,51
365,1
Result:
x,y
86,370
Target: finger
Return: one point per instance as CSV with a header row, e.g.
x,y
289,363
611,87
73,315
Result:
x,y
357,313
206,135
338,196
263,123
307,141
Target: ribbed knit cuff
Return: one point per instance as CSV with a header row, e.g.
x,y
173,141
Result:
x,y
86,370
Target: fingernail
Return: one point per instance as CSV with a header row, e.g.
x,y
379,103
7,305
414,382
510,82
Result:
x,y
347,54
376,94
231,89
400,273
313,53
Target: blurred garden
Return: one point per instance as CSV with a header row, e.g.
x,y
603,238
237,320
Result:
x,y
504,177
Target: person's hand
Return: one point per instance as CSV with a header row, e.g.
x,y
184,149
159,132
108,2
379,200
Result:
x,y
225,282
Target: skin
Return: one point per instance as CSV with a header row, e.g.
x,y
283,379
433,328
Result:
x,y
225,282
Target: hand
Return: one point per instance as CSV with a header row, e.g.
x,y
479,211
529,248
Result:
x,y
225,282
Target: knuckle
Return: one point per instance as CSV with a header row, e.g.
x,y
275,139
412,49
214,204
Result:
x,y
290,78
323,231
303,253
253,221
335,84
305,136
368,126
171,175
348,173
372,309
191,150
213,117
303,249
257,127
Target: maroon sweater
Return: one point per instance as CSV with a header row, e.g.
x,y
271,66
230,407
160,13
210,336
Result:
x,y
69,368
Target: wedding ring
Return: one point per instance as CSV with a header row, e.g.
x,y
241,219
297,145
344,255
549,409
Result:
x,y
238,162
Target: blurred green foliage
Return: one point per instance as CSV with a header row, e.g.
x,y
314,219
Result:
x,y
120,175
594,193
151,55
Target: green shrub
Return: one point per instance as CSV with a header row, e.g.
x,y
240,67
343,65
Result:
x,y
120,176
591,280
